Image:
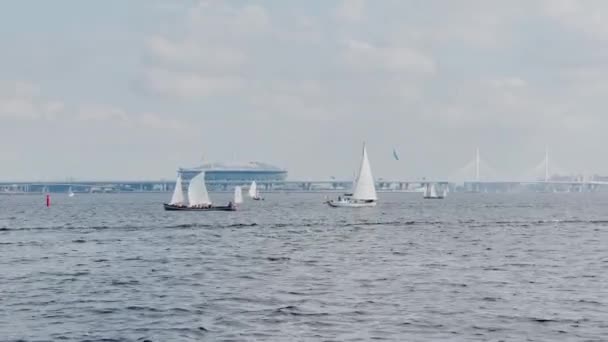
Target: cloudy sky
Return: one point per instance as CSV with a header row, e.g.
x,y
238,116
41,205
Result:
x,y
133,89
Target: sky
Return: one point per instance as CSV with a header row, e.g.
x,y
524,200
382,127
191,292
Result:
x,y
135,89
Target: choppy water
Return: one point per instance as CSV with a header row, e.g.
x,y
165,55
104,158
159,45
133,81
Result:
x,y
471,267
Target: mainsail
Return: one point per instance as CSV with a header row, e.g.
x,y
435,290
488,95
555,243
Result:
x,y
197,191
178,192
238,195
433,191
365,188
253,190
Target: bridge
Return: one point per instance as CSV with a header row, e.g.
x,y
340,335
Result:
x,y
476,176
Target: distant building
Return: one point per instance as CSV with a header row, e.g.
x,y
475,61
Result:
x,y
237,172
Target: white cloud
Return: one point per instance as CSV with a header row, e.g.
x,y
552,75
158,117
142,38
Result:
x,y
101,113
193,54
587,17
508,82
364,56
351,10
190,85
23,101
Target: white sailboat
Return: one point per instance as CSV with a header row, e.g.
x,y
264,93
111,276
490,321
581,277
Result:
x,y
431,192
364,188
198,197
238,195
70,192
253,191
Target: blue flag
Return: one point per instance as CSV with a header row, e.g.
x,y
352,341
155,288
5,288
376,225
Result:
x,y
395,154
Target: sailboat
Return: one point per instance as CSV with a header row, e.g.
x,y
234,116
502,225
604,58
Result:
x,y
364,188
70,192
198,197
431,193
238,195
253,192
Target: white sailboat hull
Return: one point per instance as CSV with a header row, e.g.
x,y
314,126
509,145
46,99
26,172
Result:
x,y
348,204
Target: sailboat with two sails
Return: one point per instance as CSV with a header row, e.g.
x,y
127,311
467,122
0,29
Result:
x,y
364,188
430,192
198,197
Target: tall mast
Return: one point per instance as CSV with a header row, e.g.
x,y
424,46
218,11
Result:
x,y
547,164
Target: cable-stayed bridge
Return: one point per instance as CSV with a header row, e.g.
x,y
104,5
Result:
x,y
546,175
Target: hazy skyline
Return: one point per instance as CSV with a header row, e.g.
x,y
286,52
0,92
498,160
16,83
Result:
x,y
135,89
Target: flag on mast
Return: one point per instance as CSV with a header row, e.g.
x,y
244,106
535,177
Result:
x,y
395,155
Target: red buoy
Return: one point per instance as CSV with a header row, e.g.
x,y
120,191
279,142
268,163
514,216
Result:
x,y
48,200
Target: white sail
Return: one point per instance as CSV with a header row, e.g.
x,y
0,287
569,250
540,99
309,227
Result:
x,y
433,191
365,189
445,191
253,190
178,192
197,191
70,192
238,195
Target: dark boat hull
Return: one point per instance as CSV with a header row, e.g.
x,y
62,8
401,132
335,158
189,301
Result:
x,y
437,197
170,207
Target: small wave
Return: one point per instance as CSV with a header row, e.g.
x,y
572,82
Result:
x,y
199,225
278,258
142,308
124,282
295,311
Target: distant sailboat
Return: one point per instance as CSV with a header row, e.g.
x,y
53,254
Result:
x,y
364,188
253,191
70,192
431,192
198,197
238,195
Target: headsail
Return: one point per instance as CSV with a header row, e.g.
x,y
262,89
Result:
x,y
238,195
365,188
253,190
197,191
178,192
433,191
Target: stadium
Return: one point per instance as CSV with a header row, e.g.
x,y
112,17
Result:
x,y
236,172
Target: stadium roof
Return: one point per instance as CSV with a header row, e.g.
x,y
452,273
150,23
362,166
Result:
x,y
247,166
